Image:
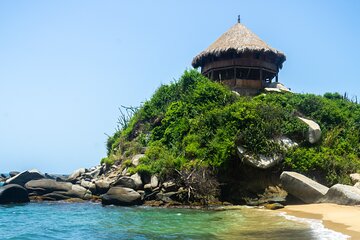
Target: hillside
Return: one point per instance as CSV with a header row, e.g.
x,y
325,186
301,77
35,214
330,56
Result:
x,y
190,131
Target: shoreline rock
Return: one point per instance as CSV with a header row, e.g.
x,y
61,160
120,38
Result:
x,y
13,193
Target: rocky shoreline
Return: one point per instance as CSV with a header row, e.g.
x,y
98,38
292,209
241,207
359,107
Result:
x,y
114,185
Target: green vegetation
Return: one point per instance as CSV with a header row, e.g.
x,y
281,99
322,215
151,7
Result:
x,y
197,123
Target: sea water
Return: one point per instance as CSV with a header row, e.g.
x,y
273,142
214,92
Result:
x,y
88,221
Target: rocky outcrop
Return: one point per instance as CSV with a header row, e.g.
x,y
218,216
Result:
x,y
355,177
264,162
13,193
258,161
50,189
121,196
314,132
276,85
342,194
302,187
13,173
76,174
125,181
102,186
24,177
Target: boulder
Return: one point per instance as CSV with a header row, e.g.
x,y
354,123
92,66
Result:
x,y
13,193
125,181
136,159
13,173
273,206
76,174
355,177
121,196
169,186
137,180
302,187
279,86
342,194
50,188
285,142
270,89
24,177
88,185
357,185
78,191
314,132
102,186
93,173
43,186
258,161
154,181
166,197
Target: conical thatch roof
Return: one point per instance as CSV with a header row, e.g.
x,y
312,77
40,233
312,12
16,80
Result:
x,y
238,39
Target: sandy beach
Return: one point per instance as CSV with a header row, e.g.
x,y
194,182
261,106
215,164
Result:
x,y
344,219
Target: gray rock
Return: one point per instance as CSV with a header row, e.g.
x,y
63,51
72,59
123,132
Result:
x,y
57,190
88,185
355,177
279,86
166,197
43,186
357,185
124,172
270,89
137,180
24,177
285,142
147,186
342,194
302,187
13,173
76,174
169,186
13,193
258,161
154,182
102,186
314,133
136,159
94,173
78,191
121,196
125,181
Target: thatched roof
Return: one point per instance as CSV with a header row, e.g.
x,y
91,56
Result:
x,y
238,39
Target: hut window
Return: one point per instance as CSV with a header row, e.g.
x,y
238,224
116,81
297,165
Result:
x,y
224,74
257,55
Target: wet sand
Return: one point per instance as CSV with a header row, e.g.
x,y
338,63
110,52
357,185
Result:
x,y
344,219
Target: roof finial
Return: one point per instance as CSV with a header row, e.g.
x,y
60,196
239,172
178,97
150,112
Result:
x,y
238,18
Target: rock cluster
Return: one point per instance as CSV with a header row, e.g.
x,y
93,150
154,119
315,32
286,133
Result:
x,y
310,191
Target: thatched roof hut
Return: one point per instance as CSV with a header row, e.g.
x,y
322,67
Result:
x,y
239,54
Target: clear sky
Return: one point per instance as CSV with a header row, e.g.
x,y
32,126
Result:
x,y
66,66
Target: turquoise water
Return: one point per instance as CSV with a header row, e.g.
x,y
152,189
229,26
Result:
x,y
93,221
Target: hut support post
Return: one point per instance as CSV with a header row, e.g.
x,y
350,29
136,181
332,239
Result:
x,y
277,77
261,77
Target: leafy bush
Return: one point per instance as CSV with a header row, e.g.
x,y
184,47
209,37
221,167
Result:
x,y
194,123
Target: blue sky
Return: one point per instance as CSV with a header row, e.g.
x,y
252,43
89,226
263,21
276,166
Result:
x,y
66,66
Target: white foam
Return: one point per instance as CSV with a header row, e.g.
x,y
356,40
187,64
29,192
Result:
x,y
317,226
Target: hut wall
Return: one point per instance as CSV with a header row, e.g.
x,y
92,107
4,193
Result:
x,y
243,62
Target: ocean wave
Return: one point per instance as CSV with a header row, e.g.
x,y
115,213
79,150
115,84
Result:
x,y
317,226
